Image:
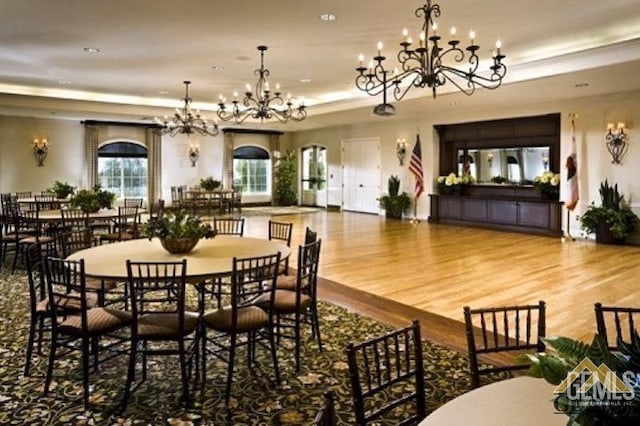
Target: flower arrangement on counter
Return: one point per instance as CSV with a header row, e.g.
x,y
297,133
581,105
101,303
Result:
x,y
548,184
452,184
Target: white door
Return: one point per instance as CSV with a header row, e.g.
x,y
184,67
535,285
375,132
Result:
x,y
361,174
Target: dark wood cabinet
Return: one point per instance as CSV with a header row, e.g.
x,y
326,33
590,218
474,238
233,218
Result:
x,y
520,214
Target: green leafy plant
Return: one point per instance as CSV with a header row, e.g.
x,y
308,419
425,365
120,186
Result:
x,y
176,225
452,184
105,198
209,183
396,203
560,362
285,175
613,215
86,200
498,179
548,183
61,189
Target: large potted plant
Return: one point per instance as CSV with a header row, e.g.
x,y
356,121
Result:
x,y
285,175
395,203
209,183
92,200
178,232
61,189
587,399
612,221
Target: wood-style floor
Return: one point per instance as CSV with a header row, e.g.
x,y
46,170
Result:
x,y
439,269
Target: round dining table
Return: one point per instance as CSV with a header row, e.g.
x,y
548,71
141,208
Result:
x,y
211,258
521,401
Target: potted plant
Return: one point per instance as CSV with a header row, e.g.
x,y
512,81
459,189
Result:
x,y
548,185
395,203
86,200
452,184
105,198
580,395
209,183
612,221
61,189
178,232
285,175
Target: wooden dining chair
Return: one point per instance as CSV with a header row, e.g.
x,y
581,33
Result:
x,y
222,328
229,226
389,365
326,416
125,227
295,300
281,231
162,326
616,323
89,326
507,330
310,236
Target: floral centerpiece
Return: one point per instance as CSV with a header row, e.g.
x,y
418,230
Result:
x,y
548,184
452,184
596,386
61,189
178,232
92,200
209,183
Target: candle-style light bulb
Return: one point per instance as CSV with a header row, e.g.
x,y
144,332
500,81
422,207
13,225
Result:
x,y
435,28
472,35
379,48
405,34
361,59
498,46
609,126
248,86
422,38
453,31
235,95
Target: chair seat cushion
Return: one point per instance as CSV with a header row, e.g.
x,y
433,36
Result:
x,y
12,237
287,282
284,301
164,326
68,304
32,240
249,318
93,284
99,321
117,237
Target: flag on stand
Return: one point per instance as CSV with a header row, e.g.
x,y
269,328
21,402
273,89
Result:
x,y
573,193
415,167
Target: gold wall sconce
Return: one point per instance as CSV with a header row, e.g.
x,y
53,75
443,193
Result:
x,y
40,150
617,141
401,149
194,154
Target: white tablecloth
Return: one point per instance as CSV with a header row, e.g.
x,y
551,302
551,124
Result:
x,y
522,401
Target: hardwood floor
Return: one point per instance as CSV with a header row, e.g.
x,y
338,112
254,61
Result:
x,y
439,269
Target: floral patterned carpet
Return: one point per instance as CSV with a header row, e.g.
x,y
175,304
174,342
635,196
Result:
x,y
256,400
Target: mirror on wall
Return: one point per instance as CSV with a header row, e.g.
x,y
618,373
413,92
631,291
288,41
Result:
x,y
514,166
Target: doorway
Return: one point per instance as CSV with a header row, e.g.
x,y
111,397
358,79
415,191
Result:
x,y
314,176
361,175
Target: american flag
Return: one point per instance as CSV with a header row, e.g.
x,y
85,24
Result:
x,y
415,167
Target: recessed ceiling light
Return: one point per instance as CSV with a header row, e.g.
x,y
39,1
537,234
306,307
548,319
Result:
x,y
243,58
305,80
328,17
64,82
91,50
163,92
579,85
217,67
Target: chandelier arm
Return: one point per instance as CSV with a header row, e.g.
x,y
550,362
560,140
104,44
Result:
x,y
491,83
368,86
400,90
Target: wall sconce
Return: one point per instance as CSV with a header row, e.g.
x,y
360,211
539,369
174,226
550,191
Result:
x,y
401,149
490,159
40,150
545,161
194,154
616,142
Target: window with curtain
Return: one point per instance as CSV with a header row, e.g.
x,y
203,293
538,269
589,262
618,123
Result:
x,y
252,170
122,169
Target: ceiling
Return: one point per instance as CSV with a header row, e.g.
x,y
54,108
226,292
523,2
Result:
x,y
555,49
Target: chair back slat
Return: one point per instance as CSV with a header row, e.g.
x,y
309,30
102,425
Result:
x,y
280,231
621,319
229,226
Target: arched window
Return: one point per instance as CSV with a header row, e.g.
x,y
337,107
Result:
x,y
122,169
252,170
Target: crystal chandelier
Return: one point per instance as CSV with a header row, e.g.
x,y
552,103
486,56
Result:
x,y
428,64
185,120
264,105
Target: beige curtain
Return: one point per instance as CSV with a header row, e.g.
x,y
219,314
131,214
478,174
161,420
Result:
x,y
154,167
227,161
91,139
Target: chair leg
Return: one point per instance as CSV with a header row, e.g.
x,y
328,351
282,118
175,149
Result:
x,y
232,354
52,356
86,342
183,371
32,332
133,353
297,340
274,353
315,323
203,360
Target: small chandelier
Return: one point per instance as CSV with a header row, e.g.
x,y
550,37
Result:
x,y
264,105
185,120
426,64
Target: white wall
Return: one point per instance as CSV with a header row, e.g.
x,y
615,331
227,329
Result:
x,y
593,158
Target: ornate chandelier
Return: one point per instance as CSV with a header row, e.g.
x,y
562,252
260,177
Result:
x,y
185,120
428,64
264,105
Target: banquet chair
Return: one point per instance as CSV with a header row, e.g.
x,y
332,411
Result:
x,y
295,299
23,195
125,227
28,222
622,320
251,277
46,202
391,365
310,236
326,416
229,226
98,330
161,324
74,219
133,202
281,231
13,230
507,330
